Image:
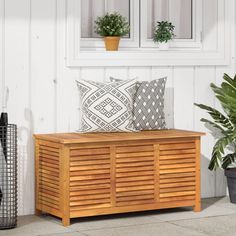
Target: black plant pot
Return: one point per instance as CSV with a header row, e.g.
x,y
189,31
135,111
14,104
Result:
x,y
231,181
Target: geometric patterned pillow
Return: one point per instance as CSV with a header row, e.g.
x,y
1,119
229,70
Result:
x,y
148,111
107,107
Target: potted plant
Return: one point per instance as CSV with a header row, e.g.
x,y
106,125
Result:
x,y
224,150
112,26
163,33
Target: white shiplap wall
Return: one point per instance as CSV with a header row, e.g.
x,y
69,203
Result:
x,y
43,94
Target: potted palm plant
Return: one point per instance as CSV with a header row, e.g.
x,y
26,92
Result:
x,y
163,33
224,150
111,26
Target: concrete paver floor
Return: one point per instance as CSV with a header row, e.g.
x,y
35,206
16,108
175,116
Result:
x,y
218,217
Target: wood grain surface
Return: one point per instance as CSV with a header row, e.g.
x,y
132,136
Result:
x,y
116,172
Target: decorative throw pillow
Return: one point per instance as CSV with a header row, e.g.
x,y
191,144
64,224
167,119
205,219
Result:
x,y
107,107
148,111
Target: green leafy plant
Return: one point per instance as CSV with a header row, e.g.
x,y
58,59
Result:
x,y
163,32
111,24
225,123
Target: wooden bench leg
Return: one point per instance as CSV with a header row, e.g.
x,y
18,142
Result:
x,y
65,221
197,207
38,212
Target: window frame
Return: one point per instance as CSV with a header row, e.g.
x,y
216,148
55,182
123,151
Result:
x,y
221,55
131,42
194,42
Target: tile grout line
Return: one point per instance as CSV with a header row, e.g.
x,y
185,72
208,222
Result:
x,y
118,227
61,233
206,217
83,233
185,227
127,226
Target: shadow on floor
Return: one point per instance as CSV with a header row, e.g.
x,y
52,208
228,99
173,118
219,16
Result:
x,y
205,204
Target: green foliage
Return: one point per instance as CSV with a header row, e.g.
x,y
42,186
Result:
x,y
226,123
111,24
163,32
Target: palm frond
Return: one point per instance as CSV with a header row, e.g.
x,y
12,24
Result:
x,y
218,152
231,81
226,94
213,124
228,160
217,116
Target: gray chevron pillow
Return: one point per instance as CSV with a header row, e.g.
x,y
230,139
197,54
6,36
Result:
x,y
148,111
107,107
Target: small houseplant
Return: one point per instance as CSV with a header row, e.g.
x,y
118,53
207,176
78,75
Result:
x,y
224,150
163,33
111,26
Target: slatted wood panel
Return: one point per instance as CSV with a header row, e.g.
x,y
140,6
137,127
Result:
x,y
177,166
115,173
49,192
135,176
90,178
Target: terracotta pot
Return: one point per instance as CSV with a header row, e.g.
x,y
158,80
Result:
x,y
112,43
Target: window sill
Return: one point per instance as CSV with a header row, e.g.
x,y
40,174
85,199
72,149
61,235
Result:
x,y
148,57
139,50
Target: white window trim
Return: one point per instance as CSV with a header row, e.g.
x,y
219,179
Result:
x,y
195,42
132,42
149,56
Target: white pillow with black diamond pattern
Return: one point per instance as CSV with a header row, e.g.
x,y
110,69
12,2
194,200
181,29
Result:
x,y
107,107
148,111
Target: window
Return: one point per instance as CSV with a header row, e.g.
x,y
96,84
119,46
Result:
x,y
179,12
91,9
182,13
84,48
142,16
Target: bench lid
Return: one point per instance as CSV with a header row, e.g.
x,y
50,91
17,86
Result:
x,y
74,138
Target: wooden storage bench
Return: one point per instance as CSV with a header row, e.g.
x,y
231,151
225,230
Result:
x,y
105,173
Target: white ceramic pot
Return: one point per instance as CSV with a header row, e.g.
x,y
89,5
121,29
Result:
x,y
163,46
